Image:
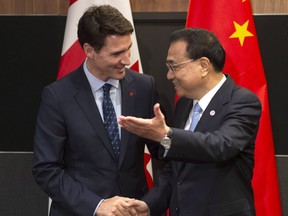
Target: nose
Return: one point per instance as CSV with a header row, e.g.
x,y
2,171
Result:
x,y
170,74
125,59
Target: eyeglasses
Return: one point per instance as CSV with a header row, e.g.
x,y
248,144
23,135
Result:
x,y
174,66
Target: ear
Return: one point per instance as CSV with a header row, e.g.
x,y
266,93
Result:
x,y
205,65
88,50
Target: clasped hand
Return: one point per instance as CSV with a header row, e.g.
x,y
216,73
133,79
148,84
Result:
x,y
122,206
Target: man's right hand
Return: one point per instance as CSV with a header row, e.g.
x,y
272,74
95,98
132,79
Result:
x,y
115,206
139,206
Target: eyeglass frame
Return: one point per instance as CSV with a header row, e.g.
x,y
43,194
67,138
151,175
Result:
x,y
172,67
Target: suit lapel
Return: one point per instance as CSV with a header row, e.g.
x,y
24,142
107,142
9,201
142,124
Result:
x,y
215,107
129,94
85,99
183,109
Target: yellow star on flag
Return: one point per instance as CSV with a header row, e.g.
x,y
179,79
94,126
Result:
x,y
241,32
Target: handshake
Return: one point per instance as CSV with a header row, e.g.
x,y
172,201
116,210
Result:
x,y
122,206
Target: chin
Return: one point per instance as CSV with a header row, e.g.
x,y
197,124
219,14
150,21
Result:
x,y
120,76
180,93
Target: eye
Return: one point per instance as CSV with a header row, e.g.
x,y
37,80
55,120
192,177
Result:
x,y
117,54
176,68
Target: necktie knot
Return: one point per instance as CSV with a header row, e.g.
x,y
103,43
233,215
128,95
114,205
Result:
x,y
106,89
197,108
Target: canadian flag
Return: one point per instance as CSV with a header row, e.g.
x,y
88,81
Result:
x,y
72,54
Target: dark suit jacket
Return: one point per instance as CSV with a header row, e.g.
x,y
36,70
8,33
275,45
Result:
x,y
211,168
73,158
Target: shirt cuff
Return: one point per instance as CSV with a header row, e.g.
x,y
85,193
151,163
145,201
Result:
x,y
97,207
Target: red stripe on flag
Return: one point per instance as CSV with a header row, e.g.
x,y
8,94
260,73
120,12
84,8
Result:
x,y
135,66
72,2
147,159
71,60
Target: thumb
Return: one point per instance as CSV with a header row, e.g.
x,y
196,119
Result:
x,y
157,111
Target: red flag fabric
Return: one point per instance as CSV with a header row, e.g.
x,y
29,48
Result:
x,y
72,54
233,23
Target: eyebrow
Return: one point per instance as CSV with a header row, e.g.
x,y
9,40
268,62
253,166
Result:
x,y
121,51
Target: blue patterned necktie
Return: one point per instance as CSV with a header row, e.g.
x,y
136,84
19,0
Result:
x,y
195,117
110,120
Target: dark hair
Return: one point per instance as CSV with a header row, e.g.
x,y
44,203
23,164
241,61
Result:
x,y
100,21
201,43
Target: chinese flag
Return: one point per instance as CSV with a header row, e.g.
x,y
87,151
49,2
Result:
x,y
72,54
232,22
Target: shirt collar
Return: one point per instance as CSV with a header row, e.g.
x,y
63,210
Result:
x,y
205,100
96,83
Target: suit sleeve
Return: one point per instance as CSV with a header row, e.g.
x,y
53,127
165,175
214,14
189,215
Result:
x,y
231,131
48,162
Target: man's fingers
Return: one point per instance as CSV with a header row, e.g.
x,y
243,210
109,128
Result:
x,y
115,206
133,123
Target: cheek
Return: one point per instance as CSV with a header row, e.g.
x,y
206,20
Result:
x,y
184,78
189,83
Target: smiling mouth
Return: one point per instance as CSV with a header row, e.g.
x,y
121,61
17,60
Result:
x,y
121,69
176,85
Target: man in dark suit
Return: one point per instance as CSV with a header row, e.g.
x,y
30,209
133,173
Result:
x,y
74,161
211,166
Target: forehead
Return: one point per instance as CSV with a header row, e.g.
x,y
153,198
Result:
x,y
177,50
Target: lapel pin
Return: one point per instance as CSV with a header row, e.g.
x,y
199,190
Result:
x,y
212,112
131,94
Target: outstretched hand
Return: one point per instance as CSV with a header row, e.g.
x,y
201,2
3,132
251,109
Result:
x,y
153,129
